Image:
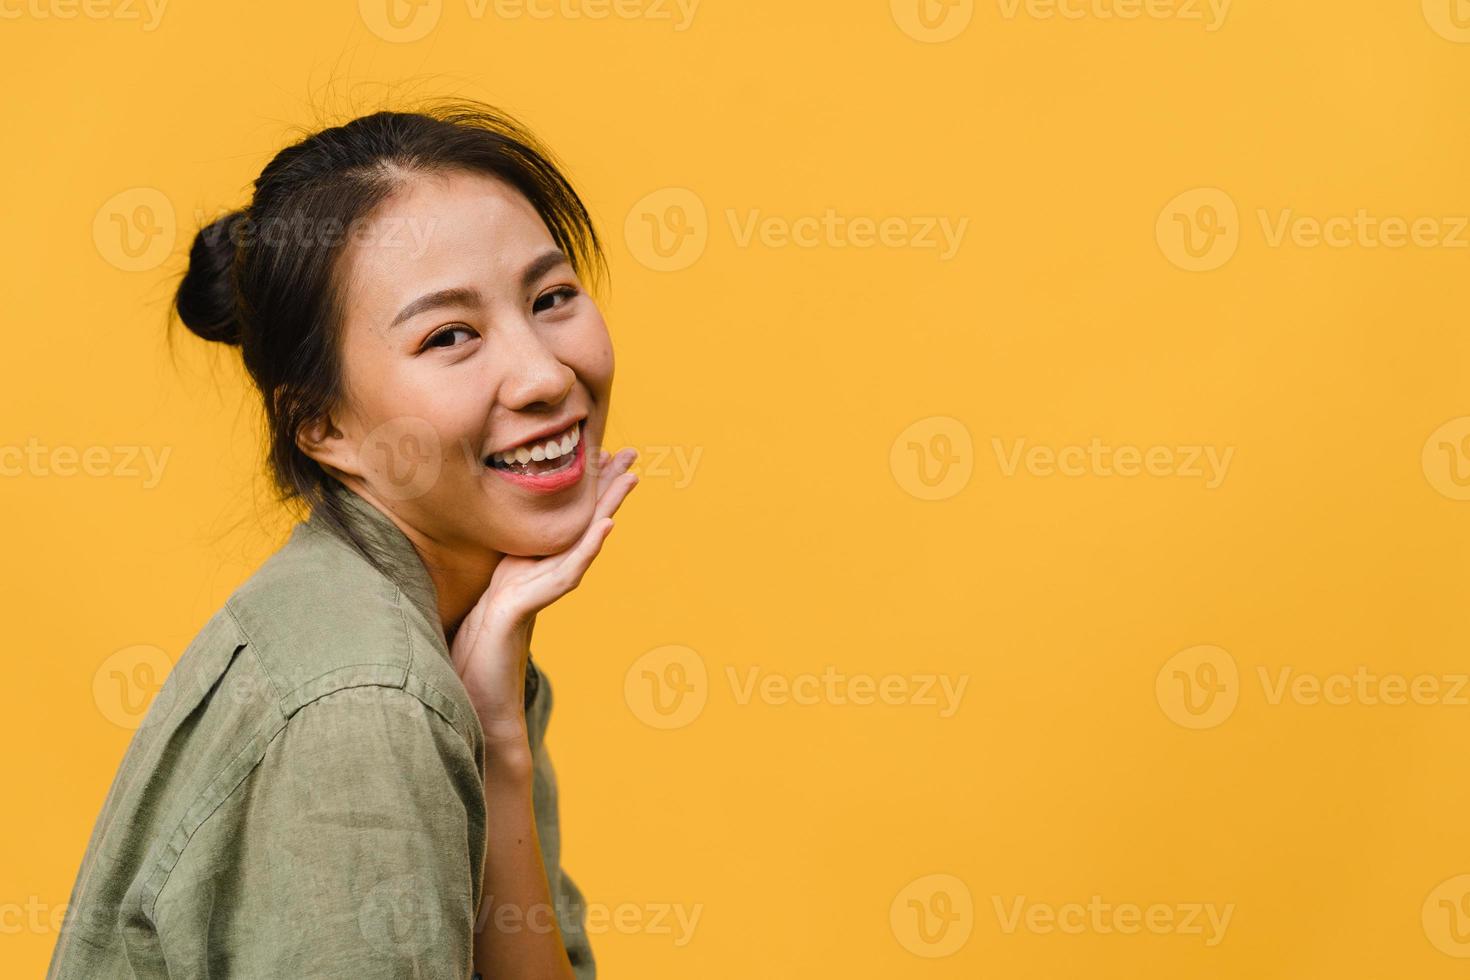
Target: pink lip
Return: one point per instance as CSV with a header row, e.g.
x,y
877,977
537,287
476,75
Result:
x,y
550,482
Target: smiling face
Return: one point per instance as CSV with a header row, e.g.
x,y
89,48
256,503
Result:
x,y
466,334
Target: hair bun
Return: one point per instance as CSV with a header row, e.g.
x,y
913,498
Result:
x,y
206,295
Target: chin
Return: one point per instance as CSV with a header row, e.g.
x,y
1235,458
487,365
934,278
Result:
x,y
555,533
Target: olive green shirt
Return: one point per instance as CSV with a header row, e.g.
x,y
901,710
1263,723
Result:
x,y
306,794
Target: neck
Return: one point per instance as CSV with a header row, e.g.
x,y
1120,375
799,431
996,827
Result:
x,y
460,575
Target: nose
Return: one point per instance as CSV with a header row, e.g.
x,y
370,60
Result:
x,y
532,375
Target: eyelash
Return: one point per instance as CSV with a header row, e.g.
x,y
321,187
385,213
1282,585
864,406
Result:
x,y
570,292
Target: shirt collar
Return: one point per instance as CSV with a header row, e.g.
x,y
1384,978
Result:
x,y
399,560
396,556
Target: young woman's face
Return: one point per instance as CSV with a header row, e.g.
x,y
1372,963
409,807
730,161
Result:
x,y
466,334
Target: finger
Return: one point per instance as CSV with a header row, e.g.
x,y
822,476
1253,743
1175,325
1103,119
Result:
x,y
564,575
615,467
609,502
571,571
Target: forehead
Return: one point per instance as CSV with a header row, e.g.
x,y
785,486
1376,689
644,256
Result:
x,y
441,230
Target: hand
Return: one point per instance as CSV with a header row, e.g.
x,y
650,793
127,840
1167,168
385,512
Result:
x,y
490,650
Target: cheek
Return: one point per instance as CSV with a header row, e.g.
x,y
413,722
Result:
x,y
589,352
416,428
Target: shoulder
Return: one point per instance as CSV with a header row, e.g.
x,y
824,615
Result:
x,y
362,795
317,618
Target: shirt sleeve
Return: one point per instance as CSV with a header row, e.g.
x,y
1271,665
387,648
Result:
x,y
354,849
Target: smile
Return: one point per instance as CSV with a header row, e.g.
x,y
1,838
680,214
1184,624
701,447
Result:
x,y
547,456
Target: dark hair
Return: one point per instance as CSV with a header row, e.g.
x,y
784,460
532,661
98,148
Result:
x,y
279,297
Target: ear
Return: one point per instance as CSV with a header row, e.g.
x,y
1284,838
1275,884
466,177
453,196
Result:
x,y
324,442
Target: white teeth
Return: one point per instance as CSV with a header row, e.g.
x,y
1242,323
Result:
x,y
553,448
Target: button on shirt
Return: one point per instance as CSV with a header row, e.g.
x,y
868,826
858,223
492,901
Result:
x,y
306,795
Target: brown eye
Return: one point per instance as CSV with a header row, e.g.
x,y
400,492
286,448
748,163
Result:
x,y
566,291
445,337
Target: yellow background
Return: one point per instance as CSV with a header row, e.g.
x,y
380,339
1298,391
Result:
x,y
825,390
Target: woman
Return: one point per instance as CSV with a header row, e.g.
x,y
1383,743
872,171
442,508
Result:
x,y
345,774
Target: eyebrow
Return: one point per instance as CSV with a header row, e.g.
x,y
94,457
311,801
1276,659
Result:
x,y
469,296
